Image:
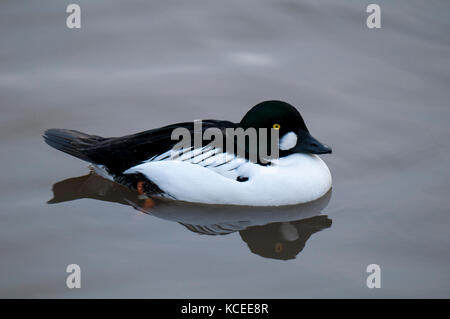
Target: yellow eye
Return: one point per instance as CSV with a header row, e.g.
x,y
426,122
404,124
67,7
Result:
x,y
276,126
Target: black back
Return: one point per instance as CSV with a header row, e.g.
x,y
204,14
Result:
x,y
121,153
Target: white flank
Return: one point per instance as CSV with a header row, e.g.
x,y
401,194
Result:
x,y
294,179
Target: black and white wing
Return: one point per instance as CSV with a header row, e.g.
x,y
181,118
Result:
x,y
210,157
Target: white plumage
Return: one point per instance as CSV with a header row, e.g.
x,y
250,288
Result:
x,y
288,141
208,176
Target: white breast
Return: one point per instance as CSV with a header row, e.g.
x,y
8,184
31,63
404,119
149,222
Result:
x,y
294,179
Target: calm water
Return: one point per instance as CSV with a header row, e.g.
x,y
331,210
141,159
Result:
x,y
380,98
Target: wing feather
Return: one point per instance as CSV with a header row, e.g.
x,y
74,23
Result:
x,y
212,158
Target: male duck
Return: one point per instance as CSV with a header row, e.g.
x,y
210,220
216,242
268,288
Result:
x,y
207,174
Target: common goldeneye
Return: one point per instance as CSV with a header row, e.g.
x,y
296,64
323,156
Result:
x,y
151,163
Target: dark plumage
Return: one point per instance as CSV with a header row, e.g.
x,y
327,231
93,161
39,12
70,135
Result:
x,y
120,153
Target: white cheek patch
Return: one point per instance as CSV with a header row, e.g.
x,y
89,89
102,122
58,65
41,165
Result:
x,y
288,141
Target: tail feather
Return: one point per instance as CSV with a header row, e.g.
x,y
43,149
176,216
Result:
x,y
71,142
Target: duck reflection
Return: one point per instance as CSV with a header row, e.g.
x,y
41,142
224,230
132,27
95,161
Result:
x,y
270,232
283,240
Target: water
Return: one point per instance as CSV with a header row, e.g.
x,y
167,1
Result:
x,y
378,97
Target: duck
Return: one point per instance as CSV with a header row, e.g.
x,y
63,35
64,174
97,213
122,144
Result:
x,y
154,164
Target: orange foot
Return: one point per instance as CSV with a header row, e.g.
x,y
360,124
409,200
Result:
x,y
140,188
148,203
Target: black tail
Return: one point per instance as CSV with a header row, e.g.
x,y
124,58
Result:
x,y
72,142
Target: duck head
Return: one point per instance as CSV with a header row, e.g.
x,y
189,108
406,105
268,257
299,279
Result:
x,y
294,136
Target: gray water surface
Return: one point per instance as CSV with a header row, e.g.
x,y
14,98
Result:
x,y
380,98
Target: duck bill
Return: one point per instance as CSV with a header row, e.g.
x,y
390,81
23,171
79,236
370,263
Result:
x,y
308,144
